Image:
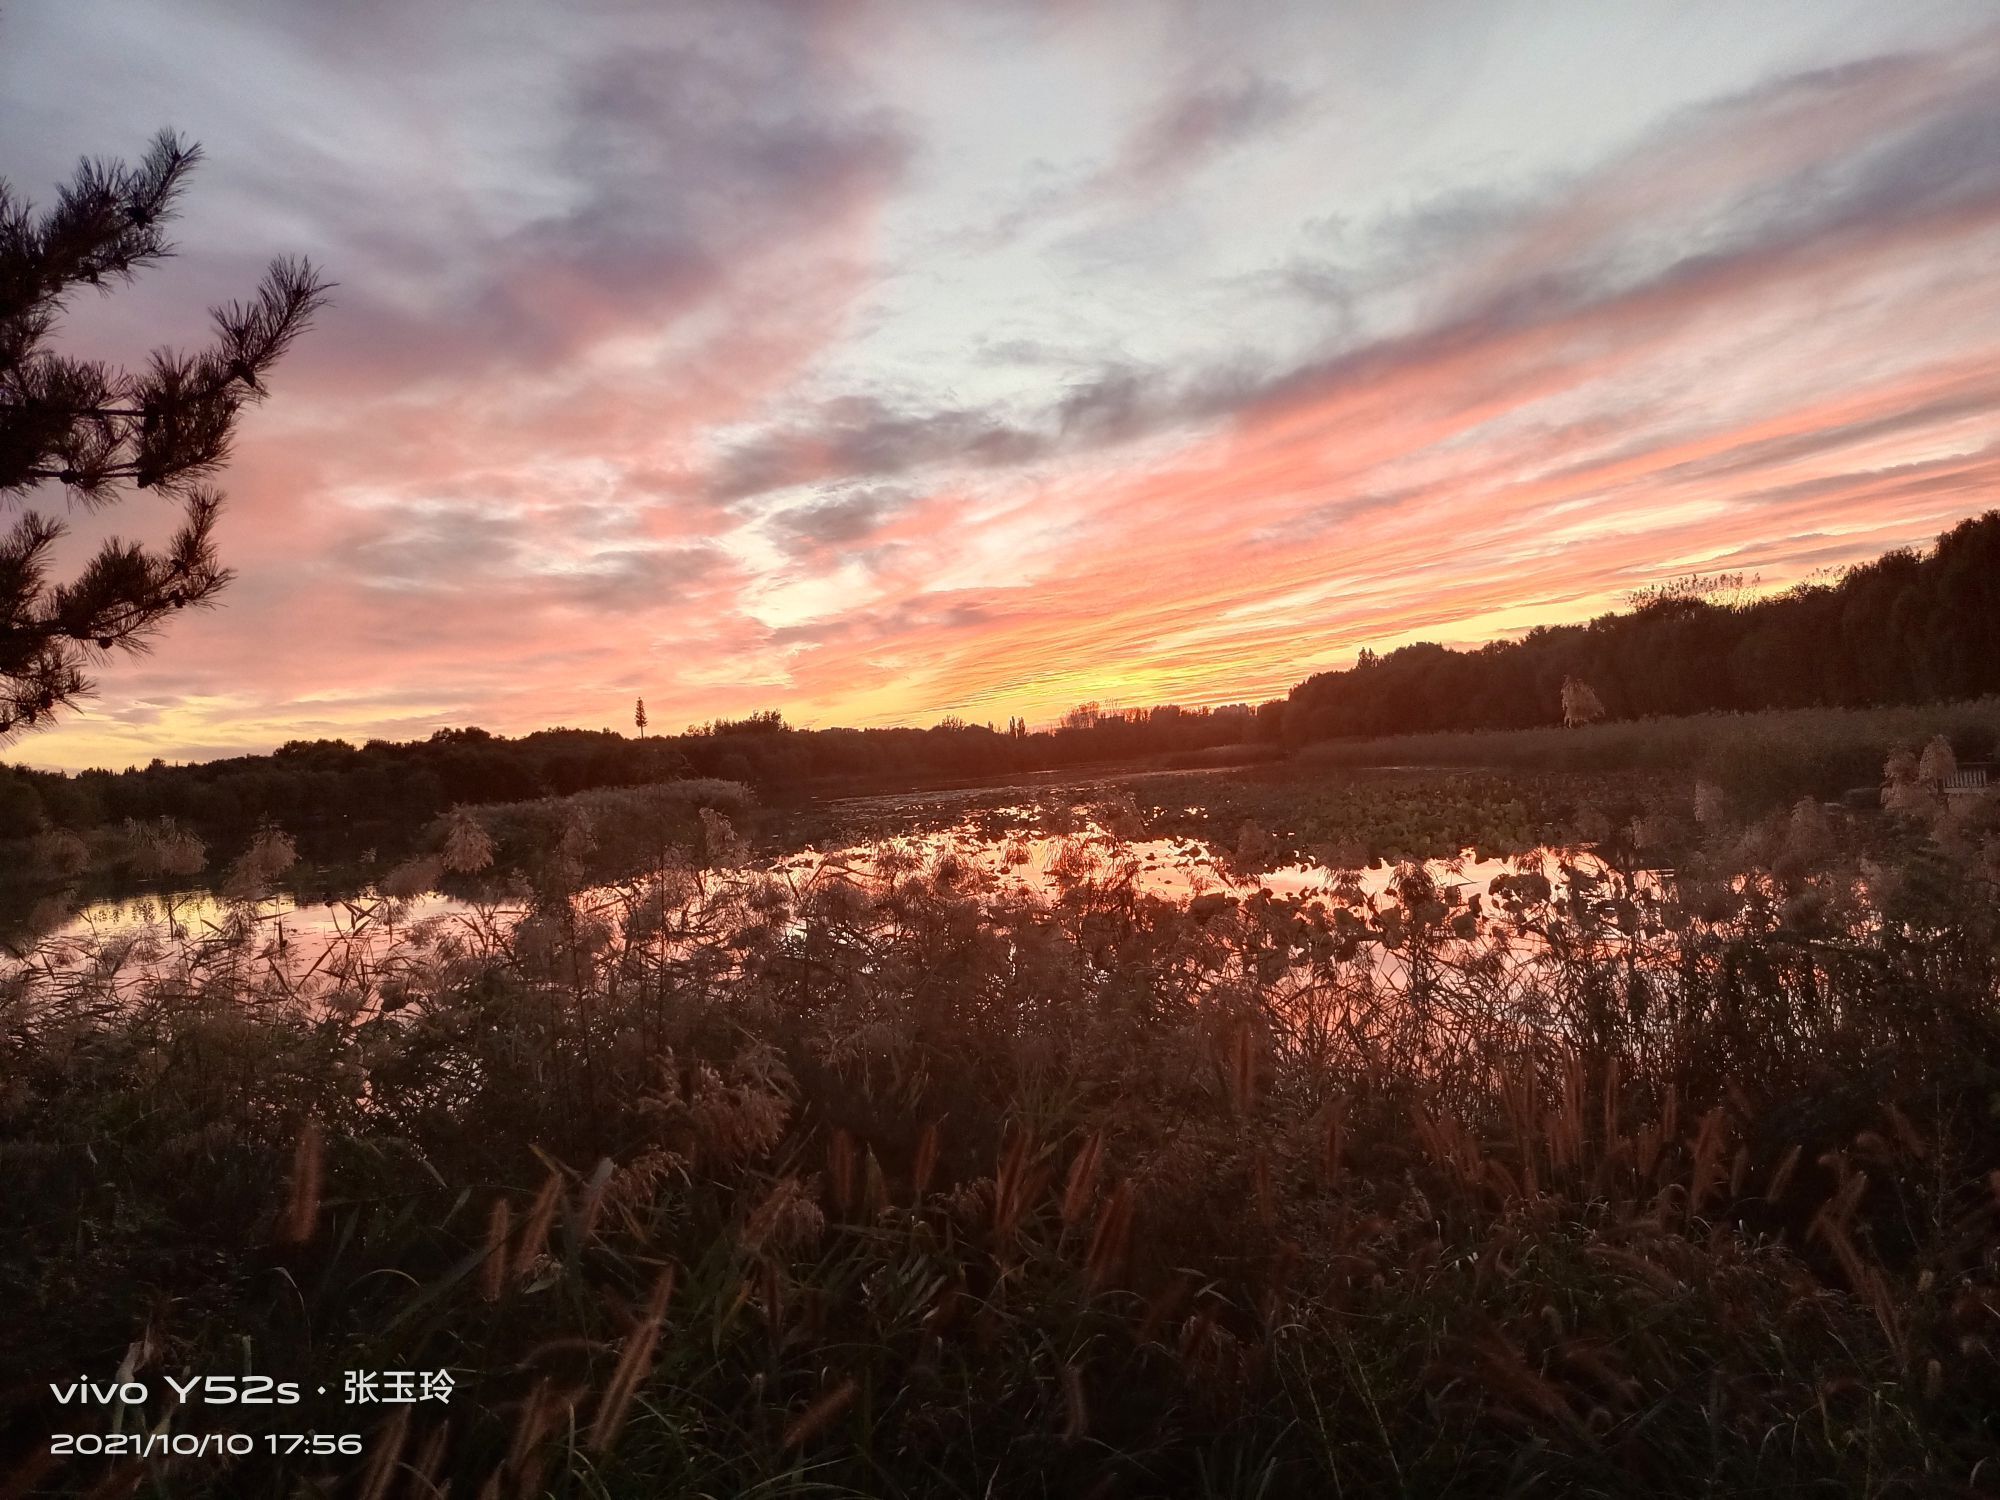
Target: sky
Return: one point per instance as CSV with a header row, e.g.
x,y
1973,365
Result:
x,y
877,362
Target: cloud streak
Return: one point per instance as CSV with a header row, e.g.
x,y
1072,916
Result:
x,y
677,353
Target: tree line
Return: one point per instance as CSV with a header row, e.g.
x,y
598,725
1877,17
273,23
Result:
x,y
337,798
1908,627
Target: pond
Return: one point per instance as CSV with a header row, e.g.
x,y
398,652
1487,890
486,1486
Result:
x,y
1019,851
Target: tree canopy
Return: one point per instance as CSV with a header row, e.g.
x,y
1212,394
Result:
x,y
94,431
1907,627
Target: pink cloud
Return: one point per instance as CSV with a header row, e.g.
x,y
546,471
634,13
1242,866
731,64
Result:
x,y
612,446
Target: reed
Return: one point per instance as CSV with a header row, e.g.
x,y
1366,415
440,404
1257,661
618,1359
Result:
x,y
1695,1191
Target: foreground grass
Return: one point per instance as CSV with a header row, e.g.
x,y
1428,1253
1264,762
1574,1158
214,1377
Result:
x,y
712,1185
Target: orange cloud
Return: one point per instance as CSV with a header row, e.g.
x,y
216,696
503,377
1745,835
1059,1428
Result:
x,y
667,416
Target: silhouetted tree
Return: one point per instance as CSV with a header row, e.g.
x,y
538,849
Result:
x,y
639,718
1906,627
93,429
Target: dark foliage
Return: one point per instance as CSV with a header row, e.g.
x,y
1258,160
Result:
x,y
93,430
337,799
718,1184
1906,628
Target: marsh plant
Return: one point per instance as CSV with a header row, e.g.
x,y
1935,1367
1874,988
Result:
x,y
713,1181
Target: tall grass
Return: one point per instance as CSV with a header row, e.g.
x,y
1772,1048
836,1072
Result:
x,y
713,1183
1765,758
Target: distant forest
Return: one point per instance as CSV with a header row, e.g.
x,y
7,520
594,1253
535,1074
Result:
x,y
1908,627
337,799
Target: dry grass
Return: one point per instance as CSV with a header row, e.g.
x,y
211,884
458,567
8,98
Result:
x,y
1760,759
704,1185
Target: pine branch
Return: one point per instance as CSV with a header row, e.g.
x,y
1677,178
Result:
x,y
96,430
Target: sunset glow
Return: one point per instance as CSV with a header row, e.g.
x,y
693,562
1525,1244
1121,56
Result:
x,y
880,362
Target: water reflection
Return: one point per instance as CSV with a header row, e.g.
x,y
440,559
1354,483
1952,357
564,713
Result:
x,y
1020,853
1173,869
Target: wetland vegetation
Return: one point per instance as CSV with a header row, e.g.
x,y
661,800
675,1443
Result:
x,y
708,1177
1449,1114
1569,1065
